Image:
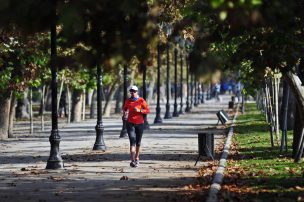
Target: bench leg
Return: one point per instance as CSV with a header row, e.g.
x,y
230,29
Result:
x,y
209,152
197,159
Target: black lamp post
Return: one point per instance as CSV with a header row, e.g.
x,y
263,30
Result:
x,y
203,95
175,112
191,82
189,46
55,160
158,119
182,44
195,92
99,143
144,68
188,87
209,90
168,114
123,132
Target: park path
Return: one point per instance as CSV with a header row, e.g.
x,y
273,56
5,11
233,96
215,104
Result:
x,y
169,151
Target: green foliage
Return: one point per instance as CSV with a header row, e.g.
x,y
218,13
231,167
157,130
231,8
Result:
x,y
260,167
233,34
5,77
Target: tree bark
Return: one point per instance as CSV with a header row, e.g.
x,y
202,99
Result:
x,y
298,91
42,106
69,103
22,106
83,104
151,89
60,91
76,106
5,102
12,115
89,97
297,131
291,111
31,111
93,104
108,104
119,99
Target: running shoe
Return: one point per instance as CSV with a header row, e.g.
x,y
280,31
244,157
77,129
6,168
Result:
x,y
136,163
133,164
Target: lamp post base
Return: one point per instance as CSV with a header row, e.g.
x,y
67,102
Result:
x,y
181,109
168,114
99,143
158,119
54,164
123,132
55,160
188,108
175,112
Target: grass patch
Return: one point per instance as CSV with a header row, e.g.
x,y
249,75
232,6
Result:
x,y
256,171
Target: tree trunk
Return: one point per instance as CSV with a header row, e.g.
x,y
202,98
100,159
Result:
x,y
31,111
83,104
89,97
93,104
69,103
298,91
151,89
297,131
48,98
119,99
5,102
76,106
12,115
283,115
291,111
276,99
42,107
60,91
22,106
108,104
269,110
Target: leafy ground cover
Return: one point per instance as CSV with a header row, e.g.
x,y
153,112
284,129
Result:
x,y
255,170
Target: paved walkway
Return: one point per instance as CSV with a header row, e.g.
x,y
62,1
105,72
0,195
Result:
x,y
169,151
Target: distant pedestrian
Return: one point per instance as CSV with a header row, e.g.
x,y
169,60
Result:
x,y
238,91
133,110
217,90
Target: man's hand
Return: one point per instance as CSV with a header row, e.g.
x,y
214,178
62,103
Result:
x,y
137,110
125,116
